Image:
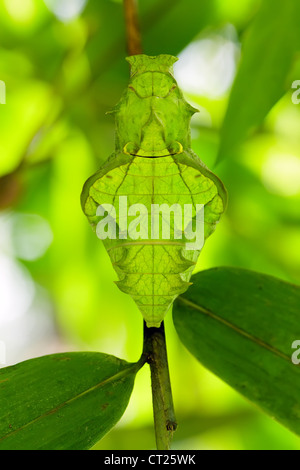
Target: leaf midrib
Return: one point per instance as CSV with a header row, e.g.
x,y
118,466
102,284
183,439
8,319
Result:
x,y
114,377
235,328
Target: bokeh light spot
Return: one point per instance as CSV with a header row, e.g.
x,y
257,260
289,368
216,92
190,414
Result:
x,y
207,66
22,11
66,10
281,174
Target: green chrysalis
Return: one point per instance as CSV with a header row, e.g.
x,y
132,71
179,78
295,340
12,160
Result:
x,y
154,173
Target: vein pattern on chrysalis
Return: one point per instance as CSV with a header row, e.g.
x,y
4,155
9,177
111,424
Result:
x,y
153,176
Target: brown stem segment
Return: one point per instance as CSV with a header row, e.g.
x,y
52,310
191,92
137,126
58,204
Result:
x,y
134,45
163,410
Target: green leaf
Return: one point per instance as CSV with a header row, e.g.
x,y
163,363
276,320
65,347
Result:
x,y
267,56
241,325
63,401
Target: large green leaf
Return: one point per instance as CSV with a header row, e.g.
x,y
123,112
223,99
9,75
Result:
x,y
62,401
241,326
267,56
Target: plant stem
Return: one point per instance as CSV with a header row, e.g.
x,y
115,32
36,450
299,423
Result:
x,y
134,45
154,350
163,410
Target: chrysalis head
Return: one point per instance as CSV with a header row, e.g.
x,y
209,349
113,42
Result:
x,y
144,63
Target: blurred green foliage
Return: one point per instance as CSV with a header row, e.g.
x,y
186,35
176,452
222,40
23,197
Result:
x,y
63,66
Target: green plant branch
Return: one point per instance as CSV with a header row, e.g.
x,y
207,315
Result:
x,y
155,352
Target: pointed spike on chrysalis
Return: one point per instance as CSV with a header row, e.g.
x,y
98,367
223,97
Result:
x,y
113,110
192,110
145,63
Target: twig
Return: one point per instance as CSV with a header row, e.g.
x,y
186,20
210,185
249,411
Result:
x,y
134,45
163,410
